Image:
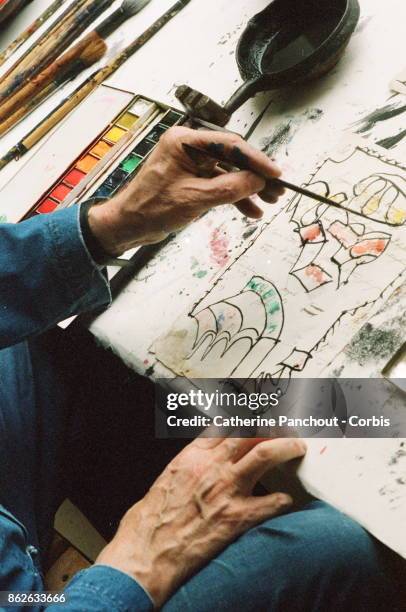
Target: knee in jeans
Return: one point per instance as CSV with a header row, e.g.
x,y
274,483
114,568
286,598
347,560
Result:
x,y
332,543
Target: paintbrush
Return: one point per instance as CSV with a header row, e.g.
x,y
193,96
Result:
x,y
25,59
56,44
89,85
71,69
95,38
9,7
236,159
25,35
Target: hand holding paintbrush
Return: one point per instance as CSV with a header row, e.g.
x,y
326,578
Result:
x,y
236,159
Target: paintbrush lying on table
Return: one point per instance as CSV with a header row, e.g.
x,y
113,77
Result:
x,y
53,80
58,26
94,40
53,47
237,160
89,85
28,32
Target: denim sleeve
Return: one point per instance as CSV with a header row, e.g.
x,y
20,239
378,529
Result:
x,y
104,589
46,275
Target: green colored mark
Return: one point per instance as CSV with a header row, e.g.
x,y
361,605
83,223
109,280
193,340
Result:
x,y
200,274
131,163
3,219
195,263
271,301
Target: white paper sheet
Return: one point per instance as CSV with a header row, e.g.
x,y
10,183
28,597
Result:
x,y
308,281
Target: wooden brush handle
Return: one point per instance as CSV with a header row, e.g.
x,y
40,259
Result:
x,y
22,112
25,35
91,54
29,56
32,88
64,109
50,50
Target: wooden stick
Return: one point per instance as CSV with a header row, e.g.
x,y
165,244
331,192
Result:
x,y
34,86
127,9
56,44
27,57
25,35
70,70
88,86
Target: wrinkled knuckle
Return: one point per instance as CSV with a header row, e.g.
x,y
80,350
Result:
x,y
236,140
228,192
257,183
280,500
264,453
297,446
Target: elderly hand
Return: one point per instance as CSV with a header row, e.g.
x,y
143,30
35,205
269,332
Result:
x,y
167,193
201,502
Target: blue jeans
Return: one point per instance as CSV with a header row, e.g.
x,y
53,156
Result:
x,y
315,559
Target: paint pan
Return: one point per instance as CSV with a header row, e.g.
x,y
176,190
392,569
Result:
x,y
100,149
131,163
115,134
156,132
127,120
47,206
74,177
171,118
87,163
144,147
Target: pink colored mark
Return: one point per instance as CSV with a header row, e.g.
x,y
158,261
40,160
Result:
x,y
323,450
344,234
219,247
370,247
311,232
317,274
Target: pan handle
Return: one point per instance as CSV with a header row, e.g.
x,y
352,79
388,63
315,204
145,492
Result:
x,y
243,93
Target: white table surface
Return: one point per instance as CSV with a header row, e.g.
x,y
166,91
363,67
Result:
x,y
198,48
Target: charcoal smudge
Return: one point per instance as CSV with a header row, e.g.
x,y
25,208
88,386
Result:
x,y
391,141
379,115
371,343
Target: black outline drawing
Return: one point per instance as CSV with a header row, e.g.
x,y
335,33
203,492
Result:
x,y
387,192
284,370
238,331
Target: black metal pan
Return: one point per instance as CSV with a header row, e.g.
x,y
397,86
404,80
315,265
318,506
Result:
x,y
292,41
289,42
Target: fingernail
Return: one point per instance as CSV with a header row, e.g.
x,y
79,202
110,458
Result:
x,y
303,445
300,445
284,500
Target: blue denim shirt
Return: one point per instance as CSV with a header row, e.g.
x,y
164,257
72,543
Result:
x,y
47,275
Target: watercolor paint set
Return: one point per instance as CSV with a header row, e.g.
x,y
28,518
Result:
x,y
113,158
112,132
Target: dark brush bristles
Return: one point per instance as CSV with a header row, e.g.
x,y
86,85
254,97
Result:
x,y
132,7
127,9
